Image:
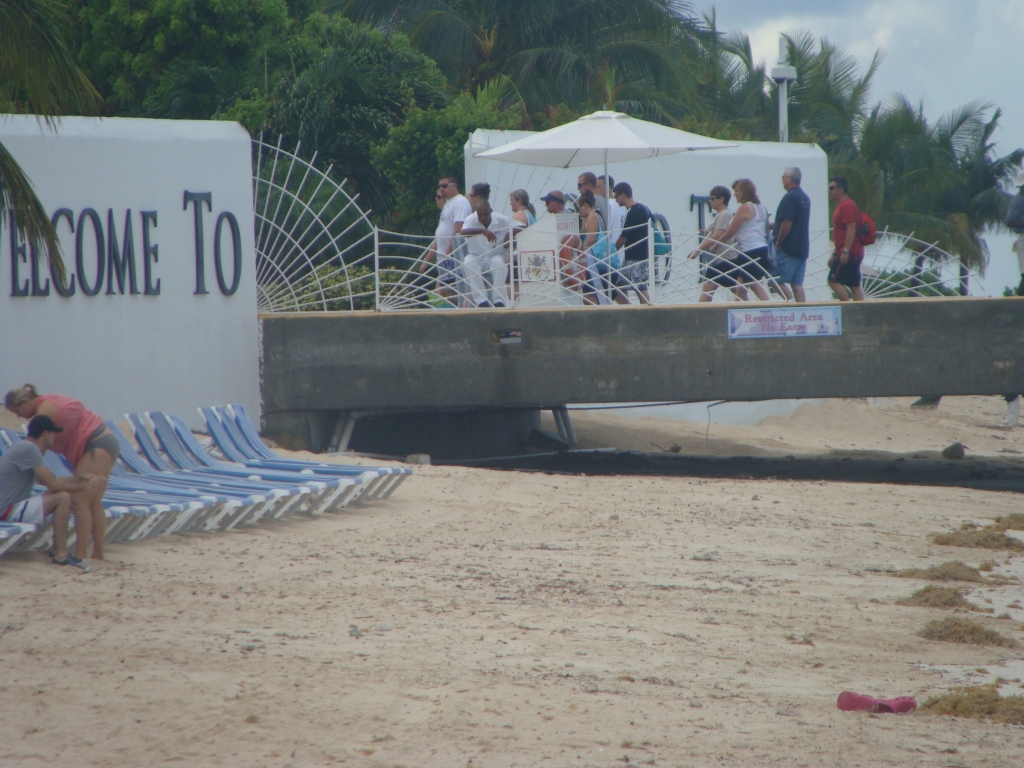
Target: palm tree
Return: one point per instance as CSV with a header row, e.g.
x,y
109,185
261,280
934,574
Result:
x,y
555,53
38,75
730,96
974,200
829,101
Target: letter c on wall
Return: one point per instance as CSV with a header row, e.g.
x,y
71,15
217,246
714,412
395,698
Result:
x,y
236,242
64,289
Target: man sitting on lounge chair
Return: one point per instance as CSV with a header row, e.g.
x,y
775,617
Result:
x,y
21,466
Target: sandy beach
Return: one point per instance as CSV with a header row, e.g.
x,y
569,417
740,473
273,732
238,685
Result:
x,y
484,618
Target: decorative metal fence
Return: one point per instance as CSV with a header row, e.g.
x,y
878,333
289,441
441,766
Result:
x,y
316,250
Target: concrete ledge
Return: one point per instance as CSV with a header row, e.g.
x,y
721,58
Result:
x,y
436,359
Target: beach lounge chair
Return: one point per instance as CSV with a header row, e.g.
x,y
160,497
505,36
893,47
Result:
x,y
233,446
241,501
250,435
184,451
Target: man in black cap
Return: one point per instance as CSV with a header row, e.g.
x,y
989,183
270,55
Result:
x,y
554,201
21,467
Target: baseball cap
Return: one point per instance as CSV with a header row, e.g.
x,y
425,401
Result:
x,y
556,195
41,424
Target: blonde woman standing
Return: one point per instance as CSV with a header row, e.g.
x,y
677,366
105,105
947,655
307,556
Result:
x,y
89,447
523,213
749,228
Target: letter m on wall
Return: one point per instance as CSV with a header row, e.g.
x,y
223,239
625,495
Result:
x,y
120,262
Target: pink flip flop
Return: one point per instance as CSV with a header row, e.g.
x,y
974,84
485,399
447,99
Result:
x,y
858,702
899,705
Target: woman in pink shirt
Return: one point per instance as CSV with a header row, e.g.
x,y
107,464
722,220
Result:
x,y
88,446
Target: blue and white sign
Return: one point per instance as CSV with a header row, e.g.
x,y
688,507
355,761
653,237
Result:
x,y
763,323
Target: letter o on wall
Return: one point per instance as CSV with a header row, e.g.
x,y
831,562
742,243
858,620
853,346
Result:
x,y
236,242
101,252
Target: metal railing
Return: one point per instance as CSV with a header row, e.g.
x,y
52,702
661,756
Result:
x,y
412,273
394,272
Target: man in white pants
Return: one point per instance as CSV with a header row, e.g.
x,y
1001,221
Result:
x,y
487,235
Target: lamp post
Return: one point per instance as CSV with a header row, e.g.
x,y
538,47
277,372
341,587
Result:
x,y
783,75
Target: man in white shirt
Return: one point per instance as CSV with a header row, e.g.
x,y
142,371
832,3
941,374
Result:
x,y
449,228
487,237
453,215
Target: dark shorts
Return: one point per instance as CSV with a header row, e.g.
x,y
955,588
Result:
x,y
759,268
634,274
107,442
725,273
741,268
847,274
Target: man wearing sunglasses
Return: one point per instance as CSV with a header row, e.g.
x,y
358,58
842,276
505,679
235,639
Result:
x,y
844,266
449,230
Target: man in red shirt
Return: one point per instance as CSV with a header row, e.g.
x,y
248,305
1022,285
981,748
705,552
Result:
x,y
844,266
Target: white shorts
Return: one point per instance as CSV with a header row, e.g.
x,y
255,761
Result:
x,y
28,511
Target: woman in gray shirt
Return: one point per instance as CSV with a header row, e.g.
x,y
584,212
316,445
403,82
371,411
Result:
x,y
719,270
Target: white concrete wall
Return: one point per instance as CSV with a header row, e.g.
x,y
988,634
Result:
x,y
120,351
666,183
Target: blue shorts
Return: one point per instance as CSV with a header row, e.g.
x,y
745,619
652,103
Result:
x,y
790,270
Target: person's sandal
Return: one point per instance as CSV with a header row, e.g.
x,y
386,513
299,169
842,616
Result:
x,y
74,561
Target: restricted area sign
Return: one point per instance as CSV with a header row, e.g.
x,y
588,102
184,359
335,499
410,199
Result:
x,y
769,323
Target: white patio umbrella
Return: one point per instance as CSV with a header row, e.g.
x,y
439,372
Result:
x,y
601,137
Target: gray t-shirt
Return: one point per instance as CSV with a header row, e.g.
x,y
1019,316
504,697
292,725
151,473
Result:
x,y
16,472
722,221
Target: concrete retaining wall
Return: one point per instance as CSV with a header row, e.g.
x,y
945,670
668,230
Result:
x,y
457,359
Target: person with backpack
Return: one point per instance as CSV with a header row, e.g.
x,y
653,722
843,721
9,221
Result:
x,y
1015,221
848,252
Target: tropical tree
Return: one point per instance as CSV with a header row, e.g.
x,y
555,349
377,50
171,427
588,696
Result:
x,y
974,200
942,183
554,53
829,101
38,75
430,144
335,86
127,48
730,97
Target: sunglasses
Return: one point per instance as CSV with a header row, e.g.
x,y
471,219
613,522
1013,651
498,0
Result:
x,y
715,197
832,188
446,184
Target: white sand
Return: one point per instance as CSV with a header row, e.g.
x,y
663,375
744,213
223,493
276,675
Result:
x,y
513,619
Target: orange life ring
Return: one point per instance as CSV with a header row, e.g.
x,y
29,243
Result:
x,y
569,257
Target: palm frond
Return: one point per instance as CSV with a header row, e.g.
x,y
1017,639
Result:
x,y
19,201
37,71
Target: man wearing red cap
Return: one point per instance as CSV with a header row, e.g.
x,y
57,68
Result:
x,y
21,467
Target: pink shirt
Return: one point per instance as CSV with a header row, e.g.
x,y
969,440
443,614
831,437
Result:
x,y
77,422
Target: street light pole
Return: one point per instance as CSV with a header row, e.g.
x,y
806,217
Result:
x,y
783,75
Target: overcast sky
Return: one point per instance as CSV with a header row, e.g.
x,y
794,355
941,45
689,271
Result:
x,y
943,53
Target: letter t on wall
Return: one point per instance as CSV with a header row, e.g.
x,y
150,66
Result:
x,y
198,198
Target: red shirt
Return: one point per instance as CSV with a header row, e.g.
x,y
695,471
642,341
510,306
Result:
x,y
846,213
78,424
